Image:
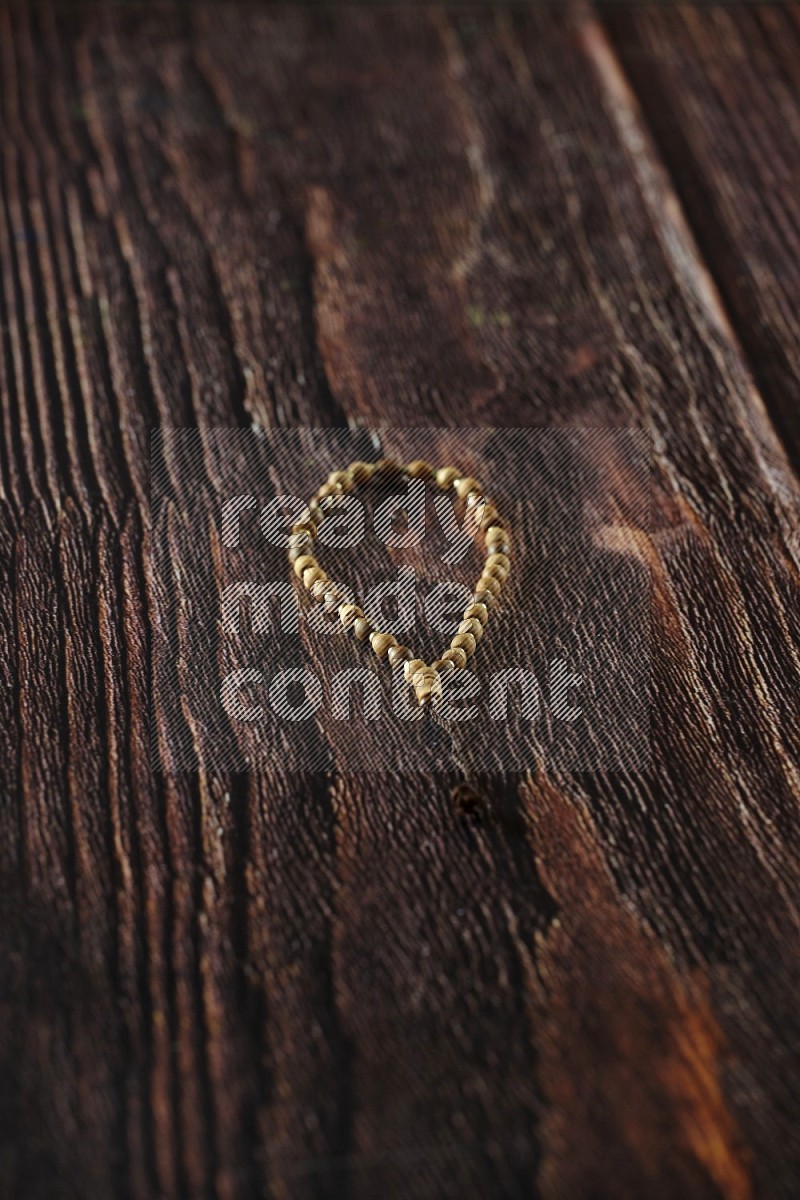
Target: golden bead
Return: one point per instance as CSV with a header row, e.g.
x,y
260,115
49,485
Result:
x,y
305,527
331,501
465,642
444,666
496,571
362,628
381,642
499,560
472,625
341,480
466,485
387,466
487,584
488,517
457,656
488,599
398,654
305,560
428,690
361,472
349,614
333,597
496,534
419,469
411,666
477,610
327,490
446,477
311,575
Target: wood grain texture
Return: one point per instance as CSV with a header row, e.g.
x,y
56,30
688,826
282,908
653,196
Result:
x,y
264,985
720,91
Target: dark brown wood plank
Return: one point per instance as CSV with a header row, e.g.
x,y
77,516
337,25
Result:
x,y
719,88
270,985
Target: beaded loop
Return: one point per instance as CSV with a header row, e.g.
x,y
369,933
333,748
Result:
x,y
425,680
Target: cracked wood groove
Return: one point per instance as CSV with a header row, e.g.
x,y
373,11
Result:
x,y
249,987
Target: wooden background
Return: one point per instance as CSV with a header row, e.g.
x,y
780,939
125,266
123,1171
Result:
x,y
570,987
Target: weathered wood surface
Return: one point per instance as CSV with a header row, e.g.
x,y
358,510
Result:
x,y
720,91
263,986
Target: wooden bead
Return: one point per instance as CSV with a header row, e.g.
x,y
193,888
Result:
x,y
499,560
349,614
495,571
419,469
411,666
362,628
361,472
486,598
304,561
296,552
465,642
466,485
398,654
381,642
300,541
387,466
311,575
487,584
477,610
444,666
320,587
488,517
313,513
457,656
446,477
472,625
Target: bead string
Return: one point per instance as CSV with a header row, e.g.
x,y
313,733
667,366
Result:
x,y
425,680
